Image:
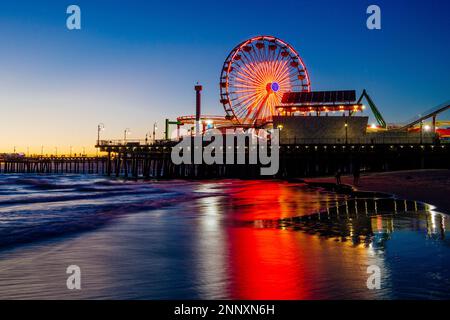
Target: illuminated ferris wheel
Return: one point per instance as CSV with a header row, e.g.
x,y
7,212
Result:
x,y
255,76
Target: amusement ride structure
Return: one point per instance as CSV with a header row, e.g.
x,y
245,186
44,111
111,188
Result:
x,y
264,77
255,76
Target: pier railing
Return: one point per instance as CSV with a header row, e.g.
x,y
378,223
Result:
x,y
365,140
130,142
123,142
359,141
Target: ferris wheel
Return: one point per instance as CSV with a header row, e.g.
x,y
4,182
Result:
x,y
255,76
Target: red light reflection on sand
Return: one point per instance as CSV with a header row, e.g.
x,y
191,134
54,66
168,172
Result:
x,y
255,200
267,263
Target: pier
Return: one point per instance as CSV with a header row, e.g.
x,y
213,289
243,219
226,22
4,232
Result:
x,y
296,160
138,159
52,164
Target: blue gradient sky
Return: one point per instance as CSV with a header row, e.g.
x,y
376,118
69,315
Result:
x,y
135,62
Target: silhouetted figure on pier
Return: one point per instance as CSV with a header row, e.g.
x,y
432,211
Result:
x,y
338,176
356,174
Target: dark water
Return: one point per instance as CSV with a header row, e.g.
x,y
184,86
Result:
x,y
226,239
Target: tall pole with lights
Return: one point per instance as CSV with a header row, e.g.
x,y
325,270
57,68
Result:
x,y
198,107
155,127
346,132
126,132
100,127
421,132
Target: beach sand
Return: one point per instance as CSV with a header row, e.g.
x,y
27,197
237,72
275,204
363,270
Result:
x,y
196,247
429,186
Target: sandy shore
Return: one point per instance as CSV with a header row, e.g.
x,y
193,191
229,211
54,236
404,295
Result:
x,y
430,186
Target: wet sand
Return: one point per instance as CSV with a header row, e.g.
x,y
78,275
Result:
x,y
211,240
429,186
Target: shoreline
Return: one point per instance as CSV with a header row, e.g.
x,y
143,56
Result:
x,y
194,250
431,186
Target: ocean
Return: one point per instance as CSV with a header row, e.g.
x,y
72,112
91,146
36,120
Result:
x,y
215,239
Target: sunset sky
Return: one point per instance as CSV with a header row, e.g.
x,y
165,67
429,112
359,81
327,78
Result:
x,y
136,62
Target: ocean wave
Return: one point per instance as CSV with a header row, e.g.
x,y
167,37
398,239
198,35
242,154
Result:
x,y
44,207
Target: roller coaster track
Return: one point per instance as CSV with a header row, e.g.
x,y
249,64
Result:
x,y
431,113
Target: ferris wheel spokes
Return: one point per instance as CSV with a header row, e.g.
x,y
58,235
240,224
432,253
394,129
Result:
x,y
255,76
